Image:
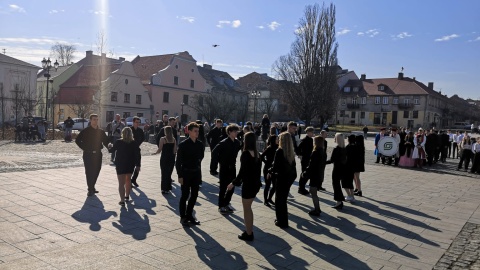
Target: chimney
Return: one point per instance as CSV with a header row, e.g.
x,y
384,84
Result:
x,y
89,54
121,58
207,66
400,75
363,77
430,85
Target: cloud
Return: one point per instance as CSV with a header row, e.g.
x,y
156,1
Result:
x,y
447,38
360,34
17,8
38,41
343,31
55,11
477,39
402,35
273,25
188,19
234,24
248,66
372,32
261,27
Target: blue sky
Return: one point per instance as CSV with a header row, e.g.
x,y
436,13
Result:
x,y
434,40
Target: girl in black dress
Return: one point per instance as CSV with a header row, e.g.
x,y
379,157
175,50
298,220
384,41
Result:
x,y
315,172
359,163
347,181
339,160
168,147
127,157
267,158
284,170
249,177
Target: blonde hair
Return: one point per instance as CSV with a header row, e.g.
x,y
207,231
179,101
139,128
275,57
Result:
x,y
127,135
169,134
340,140
286,144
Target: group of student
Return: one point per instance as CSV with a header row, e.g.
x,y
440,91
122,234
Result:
x,y
428,147
279,169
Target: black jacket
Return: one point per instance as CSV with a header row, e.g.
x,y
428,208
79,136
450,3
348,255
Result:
x,y
91,139
226,152
189,157
316,165
126,154
213,137
305,148
138,135
267,156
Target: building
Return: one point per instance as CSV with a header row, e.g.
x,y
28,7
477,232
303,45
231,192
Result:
x,y
18,96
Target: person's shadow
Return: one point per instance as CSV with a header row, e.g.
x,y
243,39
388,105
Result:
x,y
132,223
93,212
141,201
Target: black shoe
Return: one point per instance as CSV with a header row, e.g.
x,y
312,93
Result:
x,y
303,191
358,193
267,204
338,206
246,237
127,198
122,203
315,213
283,226
355,190
321,188
96,191
193,221
213,173
184,221
135,184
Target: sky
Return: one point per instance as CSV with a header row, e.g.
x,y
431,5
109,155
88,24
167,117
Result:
x,y
433,40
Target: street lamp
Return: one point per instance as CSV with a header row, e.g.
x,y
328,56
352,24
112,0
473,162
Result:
x,y
255,94
46,65
182,117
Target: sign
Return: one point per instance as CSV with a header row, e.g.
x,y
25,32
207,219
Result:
x,y
387,146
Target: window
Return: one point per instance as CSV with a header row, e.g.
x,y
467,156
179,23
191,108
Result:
x,y
344,101
114,97
140,114
126,99
342,113
61,115
175,80
415,115
385,100
395,100
377,100
200,101
354,101
364,100
353,115
138,99
415,101
166,96
346,89
406,101
126,114
192,83
381,87
376,119
355,89
362,115
185,99
109,116
406,114
164,112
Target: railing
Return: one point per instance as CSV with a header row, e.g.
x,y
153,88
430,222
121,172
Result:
x,y
405,105
353,106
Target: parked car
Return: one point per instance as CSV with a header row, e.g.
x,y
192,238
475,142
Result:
x,y
461,125
129,121
80,124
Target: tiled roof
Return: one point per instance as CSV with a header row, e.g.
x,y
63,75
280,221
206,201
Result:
x,y
14,61
74,96
393,86
146,66
53,73
88,76
220,80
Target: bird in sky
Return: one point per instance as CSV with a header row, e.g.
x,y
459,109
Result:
x,y
215,45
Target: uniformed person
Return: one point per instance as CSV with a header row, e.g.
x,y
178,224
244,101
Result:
x,y
139,137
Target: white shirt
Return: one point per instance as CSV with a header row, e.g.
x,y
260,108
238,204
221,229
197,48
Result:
x,y
460,138
476,148
454,138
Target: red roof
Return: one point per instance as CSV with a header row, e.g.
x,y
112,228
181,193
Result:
x,y
90,76
393,86
74,96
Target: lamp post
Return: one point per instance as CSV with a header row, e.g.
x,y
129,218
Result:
x,y
182,117
46,65
255,94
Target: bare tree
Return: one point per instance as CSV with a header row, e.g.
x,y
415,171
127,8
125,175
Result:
x,y
308,73
64,53
213,105
2,107
268,106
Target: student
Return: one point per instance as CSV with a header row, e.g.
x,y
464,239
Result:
x,y
267,157
359,164
168,147
213,138
315,171
90,140
139,137
347,180
466,147
127,157
339,160
189,158
226,153
476,156
305,149
249,177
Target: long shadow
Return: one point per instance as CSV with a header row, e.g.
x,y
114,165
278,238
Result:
x,y
403,209
141,201
132,223
93,212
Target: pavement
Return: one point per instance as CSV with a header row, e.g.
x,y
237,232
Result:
x,y
407,219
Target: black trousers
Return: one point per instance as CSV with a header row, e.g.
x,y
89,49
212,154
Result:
x,y
93,165
444,151
136,172
226,176
466,156
303,181
449,149
190,188
166,168
455,150
476,163
337,187
282,190
430,156
213,161
268,192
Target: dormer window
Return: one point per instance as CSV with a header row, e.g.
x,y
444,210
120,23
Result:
x,y
346,89
355,89
381,87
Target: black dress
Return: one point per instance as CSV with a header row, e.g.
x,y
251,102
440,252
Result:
x,y
359,158
347,180
316,168
127,156
338,158
167,163
249,175
267,157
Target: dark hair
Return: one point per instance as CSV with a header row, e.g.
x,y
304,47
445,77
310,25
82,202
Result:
x,y
171,119
318,142
351,139
135,118
273,131
291,123
218,121
272,140
247,128
93,115
249,123
231,128
250,143
192,125
359,141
